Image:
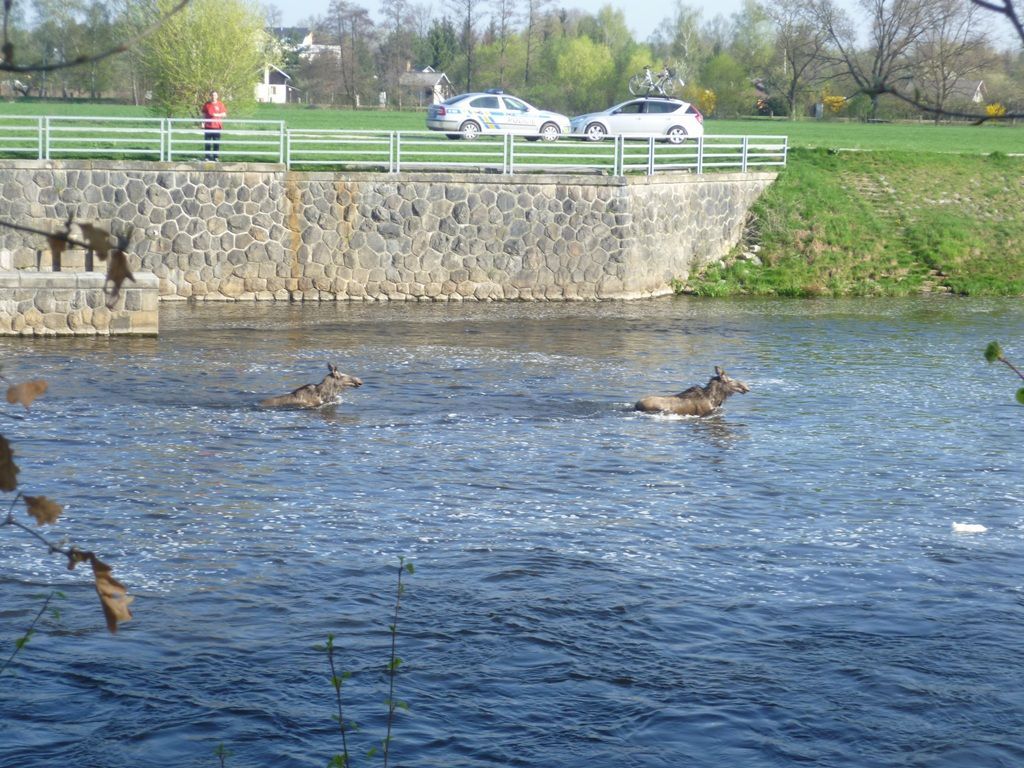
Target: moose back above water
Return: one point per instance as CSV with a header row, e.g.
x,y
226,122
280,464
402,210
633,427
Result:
x,y
697,400
315,395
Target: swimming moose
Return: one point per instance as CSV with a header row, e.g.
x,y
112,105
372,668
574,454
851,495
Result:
x,y
697,400
315,395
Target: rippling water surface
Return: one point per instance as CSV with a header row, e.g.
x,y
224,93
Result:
x,y
775,585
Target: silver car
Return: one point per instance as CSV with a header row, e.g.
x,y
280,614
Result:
x,y
646,116
470,114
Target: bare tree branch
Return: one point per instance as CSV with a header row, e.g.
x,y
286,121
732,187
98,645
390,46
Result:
x,y
7,63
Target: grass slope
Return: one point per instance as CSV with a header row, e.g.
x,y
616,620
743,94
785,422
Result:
x,y
884,223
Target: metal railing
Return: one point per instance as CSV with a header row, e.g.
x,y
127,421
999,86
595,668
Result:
x,y
184,140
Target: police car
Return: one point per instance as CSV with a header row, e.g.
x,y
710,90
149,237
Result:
x,y
470,114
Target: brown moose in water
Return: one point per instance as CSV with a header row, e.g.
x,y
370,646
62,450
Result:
x,y
315,395
697,400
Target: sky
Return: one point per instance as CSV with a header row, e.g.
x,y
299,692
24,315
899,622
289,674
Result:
x,y
642,16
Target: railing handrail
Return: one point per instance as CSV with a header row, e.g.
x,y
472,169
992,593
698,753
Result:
x,y
182,139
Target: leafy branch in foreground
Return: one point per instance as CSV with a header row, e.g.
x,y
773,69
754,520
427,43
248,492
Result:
x,y
994,353
112,593
99,241
342,760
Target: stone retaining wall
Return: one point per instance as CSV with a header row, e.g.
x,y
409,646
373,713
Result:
x,y
259,232
74,304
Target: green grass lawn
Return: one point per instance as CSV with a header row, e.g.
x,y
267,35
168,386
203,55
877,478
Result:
x,y
884,224
923,136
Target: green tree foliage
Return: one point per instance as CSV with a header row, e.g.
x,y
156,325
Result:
x,y
211,45
733,90
584,67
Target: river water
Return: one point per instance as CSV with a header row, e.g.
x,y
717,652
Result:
x,y
775,585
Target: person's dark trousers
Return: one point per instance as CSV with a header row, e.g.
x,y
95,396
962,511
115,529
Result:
x,y
212,145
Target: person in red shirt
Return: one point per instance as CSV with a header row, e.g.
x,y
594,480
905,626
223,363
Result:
x,y
214,112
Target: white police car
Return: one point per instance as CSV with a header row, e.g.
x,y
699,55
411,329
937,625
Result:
x,y
468,115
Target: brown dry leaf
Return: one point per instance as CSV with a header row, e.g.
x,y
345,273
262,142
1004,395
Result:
x,y
113,596
44,510
26,392
8,469
98,239
117,272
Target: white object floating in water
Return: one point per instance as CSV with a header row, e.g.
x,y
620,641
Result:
x,y
969,528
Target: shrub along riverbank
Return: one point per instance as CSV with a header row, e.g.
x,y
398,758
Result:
x,y
841,223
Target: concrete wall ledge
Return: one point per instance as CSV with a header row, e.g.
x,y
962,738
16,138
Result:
x,y
74,304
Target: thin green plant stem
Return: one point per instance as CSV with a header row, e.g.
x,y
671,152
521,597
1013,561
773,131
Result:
x,y
336,681
393,662
29,632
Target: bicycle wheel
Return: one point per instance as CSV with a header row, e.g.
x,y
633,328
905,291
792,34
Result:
x,y
637,87
669,86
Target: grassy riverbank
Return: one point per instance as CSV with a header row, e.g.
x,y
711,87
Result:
x,y
882,223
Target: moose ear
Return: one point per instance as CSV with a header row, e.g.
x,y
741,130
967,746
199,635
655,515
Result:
x,y
332,368
719,372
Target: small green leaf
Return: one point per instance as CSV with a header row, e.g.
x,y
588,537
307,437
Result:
x,y
410,568
993,352
371,752
1020,396
394,664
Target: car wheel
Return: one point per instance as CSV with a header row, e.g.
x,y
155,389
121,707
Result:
x,y
469,130
595,132
549,132
676,134
453,136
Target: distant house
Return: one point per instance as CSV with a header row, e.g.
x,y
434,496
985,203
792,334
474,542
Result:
x,y
276,87
421,88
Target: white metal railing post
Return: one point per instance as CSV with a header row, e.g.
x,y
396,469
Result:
x,y
700,154
650,155
395,152
617,157
39,138
281,148
746,149
46,138
509,163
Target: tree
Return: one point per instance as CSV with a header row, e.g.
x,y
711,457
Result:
x,y
210,45
534,14
351,30
734,94
505,16
468,13
584,68
679,38
799,44
894,29
951,50
441,45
